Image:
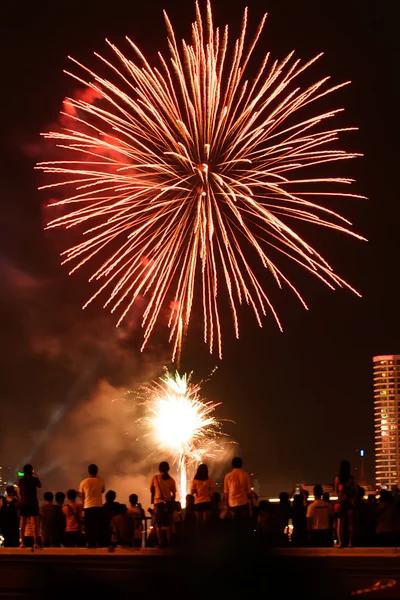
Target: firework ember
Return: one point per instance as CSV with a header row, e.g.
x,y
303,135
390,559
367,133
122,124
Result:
x,y
181,424
183,176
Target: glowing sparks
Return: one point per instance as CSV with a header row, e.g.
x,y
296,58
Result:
x,y
180,423
186,175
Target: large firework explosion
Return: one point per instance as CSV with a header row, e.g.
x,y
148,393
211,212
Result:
x,y
180,423
183,174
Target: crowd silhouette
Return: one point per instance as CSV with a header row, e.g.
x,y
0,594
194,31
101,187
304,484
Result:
x,y
81,518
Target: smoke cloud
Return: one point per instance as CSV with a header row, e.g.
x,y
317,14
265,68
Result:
x,y
64,374
66,371
67,404
103,430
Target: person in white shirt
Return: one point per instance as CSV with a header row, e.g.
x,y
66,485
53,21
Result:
x,y
319,520
91,490
202,489
237,491
163,492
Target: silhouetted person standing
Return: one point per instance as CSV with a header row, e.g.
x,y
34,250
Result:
x,y
298,514
29,505
385,519
347,494
319,520
282,515
91,490
202,489
163,492
237,492
9,519
73,514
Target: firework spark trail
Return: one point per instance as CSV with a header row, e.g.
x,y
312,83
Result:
x,y
181,423
188,166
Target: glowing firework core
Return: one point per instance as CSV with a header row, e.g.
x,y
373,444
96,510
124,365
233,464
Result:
x,y
181,423
178,421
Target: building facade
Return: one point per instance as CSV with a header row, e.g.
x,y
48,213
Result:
x,y
387,419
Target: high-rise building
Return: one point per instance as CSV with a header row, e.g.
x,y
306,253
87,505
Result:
x,y
387,419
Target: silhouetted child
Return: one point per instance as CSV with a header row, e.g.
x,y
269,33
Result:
x,y
264,513
111,508
217,507
283,514
270,527
73,513
152,540
137,513
122,527
47,520
59,520
189,516
177,524
368,518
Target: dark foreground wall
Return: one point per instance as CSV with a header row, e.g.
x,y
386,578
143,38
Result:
x,y
204,571
58,575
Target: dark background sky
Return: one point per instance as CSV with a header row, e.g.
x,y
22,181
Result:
x,y
302,400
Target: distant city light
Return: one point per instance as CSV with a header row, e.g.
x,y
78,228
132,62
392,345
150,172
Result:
x,y
362,452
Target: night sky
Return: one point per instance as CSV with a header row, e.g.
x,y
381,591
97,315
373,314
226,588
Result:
x,y
301,400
